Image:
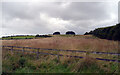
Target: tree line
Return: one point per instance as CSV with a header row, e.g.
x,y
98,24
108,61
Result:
x,y
110,33
56,33
67,33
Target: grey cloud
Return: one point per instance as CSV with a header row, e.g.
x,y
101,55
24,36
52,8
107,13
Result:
x,y
24,17
82,11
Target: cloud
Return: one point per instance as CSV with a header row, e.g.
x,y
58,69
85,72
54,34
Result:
x,y
47,17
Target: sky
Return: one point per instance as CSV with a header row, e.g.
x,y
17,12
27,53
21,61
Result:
x,y
48,17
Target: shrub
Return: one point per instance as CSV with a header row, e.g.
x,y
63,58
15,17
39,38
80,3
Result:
x,y
37,35
22,61
70,33
87,65
43,36
56,33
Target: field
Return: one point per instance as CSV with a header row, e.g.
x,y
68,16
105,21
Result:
x,y
18,37
26,62
79,42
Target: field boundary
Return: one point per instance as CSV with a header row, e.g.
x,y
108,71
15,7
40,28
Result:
x,y
94,52
37,52
17,39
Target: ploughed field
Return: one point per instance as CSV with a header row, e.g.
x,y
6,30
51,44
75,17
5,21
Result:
x,y
48,63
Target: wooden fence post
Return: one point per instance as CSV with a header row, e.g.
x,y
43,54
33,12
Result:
x,y
23,50
118,55
11,49
2,47
58,58
37,53
118,46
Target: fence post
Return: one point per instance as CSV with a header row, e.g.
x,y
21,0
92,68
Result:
x,y
23,50
11,49
118,55
38,53
58,58
2,47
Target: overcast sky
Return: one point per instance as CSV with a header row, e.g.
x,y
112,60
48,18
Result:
x,y
48,17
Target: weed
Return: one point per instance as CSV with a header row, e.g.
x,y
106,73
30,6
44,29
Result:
x,y
22,61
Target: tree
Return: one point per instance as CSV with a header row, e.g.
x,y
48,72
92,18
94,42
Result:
x,y
37,35
56,33
86,33
70,33
110,33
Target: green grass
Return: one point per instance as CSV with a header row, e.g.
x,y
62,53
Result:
x,y
21,64
30,36
67,35
18,62
18,37
24,37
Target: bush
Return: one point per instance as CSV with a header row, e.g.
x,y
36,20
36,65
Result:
x,y
56,33
43,36
70,33
22,61
88,65
37,35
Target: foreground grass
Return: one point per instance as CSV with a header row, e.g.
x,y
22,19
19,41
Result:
x,y
17,62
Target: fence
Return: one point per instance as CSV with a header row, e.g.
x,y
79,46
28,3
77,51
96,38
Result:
x,y
58,55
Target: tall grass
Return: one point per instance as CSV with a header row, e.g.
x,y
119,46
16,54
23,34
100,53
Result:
x,y
27,63
87,43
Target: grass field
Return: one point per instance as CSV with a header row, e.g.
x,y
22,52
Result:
x,y
18,37
79,42
19,62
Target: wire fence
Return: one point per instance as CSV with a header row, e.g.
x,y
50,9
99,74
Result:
x,y
37,51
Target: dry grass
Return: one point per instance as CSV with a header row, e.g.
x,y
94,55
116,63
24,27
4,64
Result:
x,y
87,62
79,42
87,43
86,65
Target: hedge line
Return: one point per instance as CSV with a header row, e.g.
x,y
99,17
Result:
x,y
110,33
